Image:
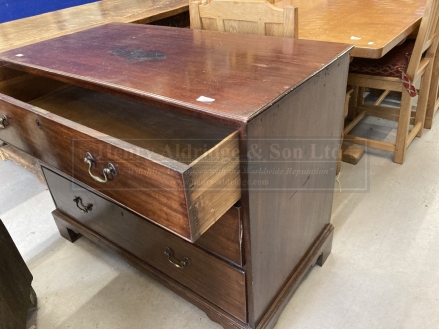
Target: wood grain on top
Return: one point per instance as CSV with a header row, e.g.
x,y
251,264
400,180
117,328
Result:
x,y
373,26
46,26
171,66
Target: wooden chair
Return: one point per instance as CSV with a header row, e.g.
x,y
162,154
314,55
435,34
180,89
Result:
x,y
244,16
433,95
399,70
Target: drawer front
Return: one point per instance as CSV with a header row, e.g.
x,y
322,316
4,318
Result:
x,y
210,277
195,195
224,238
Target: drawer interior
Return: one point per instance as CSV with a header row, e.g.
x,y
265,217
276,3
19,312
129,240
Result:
x,y
175,136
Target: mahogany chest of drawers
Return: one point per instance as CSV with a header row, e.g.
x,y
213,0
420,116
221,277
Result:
x,y
205,159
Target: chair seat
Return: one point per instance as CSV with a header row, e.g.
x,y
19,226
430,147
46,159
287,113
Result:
x,y
394,64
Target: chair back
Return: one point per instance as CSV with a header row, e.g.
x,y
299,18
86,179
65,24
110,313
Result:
x,y
244,16
426,40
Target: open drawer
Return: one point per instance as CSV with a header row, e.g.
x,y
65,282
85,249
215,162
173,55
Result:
x,y
180,172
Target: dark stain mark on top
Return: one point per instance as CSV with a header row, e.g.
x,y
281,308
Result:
x,y
138,55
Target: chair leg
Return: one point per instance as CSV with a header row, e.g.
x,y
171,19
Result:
x,y
382,97
403,128
433,95
360,98
421,107
352,111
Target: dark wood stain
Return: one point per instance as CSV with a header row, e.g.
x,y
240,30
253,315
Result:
x,y
138,55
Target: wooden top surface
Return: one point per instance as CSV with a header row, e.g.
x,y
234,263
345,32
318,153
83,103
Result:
x,y
173,66
374,27
46,26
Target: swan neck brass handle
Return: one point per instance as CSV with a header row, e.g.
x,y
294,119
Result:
x,y
110,170
3,121
81,206
179,264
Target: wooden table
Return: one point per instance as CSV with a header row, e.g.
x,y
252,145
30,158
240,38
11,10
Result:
x,y
374,27
47,26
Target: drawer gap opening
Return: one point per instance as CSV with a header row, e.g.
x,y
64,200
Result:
x,y
175,136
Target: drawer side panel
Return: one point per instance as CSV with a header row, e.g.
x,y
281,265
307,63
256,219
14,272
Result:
x,y
213,184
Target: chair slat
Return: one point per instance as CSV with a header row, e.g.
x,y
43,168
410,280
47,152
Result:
x,y
246,16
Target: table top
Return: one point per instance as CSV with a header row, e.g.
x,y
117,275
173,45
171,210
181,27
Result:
x,y
373,26
238,77
50,25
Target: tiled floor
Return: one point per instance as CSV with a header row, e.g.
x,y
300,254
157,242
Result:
x,y
382,273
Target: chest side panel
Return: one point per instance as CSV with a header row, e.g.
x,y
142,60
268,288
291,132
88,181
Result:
x,y
291,178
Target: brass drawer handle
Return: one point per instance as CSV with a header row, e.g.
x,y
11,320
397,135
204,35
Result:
x,y
81,206
111,169
3,122
179,264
